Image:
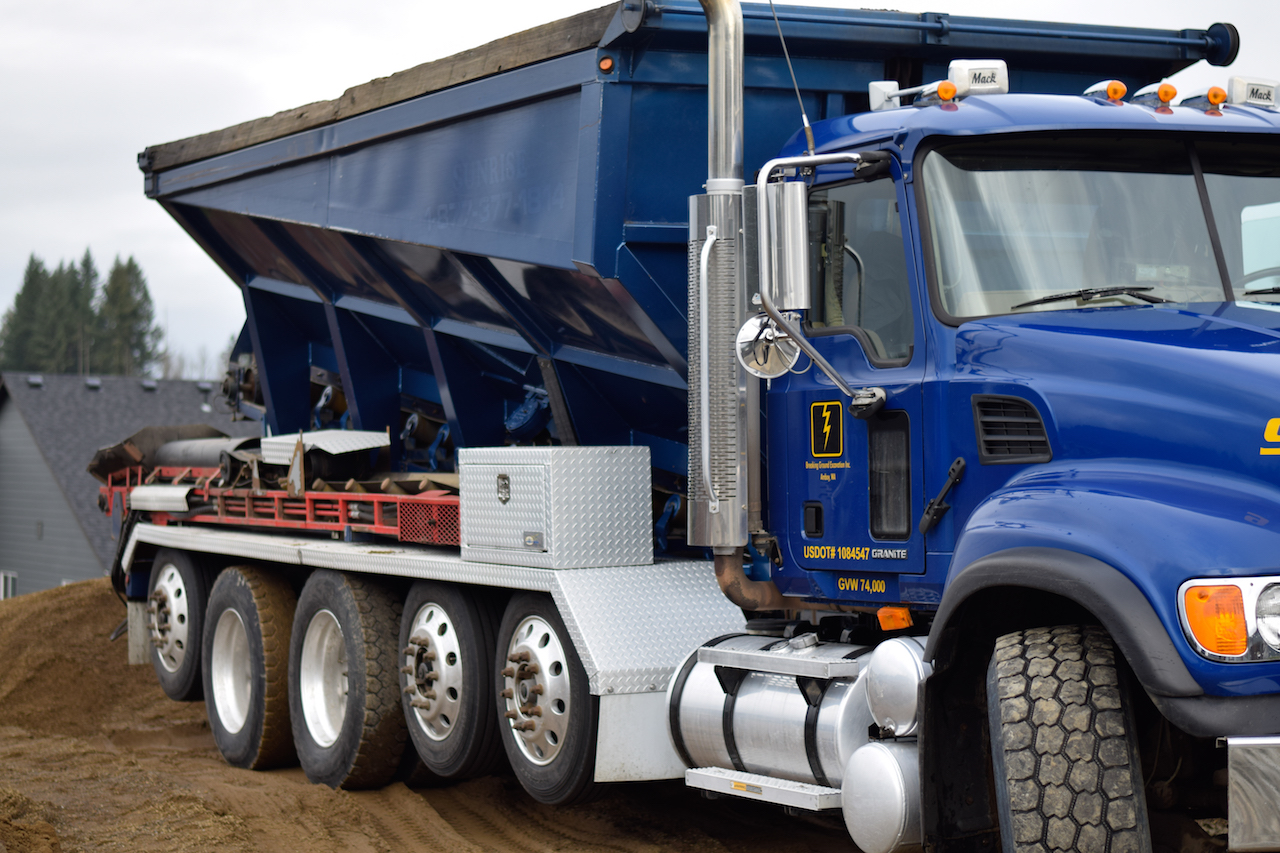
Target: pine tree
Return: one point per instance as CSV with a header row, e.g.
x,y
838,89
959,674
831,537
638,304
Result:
x,y
127,339
62,339
19,325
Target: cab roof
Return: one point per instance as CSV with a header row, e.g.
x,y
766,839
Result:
x,y
907,127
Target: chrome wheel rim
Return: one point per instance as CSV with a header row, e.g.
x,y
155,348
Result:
x,y
536,693
322,678
433,672
168,618
231,671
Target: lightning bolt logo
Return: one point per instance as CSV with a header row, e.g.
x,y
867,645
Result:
x,y
827,429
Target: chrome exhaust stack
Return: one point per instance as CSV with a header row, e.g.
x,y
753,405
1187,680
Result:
x,y
723,399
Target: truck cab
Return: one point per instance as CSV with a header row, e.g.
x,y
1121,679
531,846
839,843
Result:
x,y
1070,305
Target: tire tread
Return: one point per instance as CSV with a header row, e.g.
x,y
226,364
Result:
x,y
1063,744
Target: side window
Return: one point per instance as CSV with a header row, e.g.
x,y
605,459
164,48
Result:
x,y
858,265
1260,243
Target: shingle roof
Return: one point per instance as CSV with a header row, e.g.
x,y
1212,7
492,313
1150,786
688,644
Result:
x,y
70,421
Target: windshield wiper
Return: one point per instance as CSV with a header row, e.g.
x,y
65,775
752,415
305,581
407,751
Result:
x,y
1090,293
1263,290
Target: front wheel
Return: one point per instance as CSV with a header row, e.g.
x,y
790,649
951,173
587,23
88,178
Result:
x,y
1064,745
547,714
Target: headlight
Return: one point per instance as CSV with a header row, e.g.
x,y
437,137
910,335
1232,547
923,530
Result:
x,y
1268,611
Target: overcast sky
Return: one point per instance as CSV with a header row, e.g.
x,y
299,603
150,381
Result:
x,y
85,85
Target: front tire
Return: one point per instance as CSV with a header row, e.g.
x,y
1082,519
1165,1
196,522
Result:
x,y
179,592
246,661
547,714
447,646
344,701
1064,745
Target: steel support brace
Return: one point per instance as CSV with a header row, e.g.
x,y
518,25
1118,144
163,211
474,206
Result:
x,y
283,370
370,376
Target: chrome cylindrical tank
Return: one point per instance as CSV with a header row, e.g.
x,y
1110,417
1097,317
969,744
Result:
x,y
784,726
880,797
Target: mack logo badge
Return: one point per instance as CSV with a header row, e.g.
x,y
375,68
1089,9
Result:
x,y
978,78
826,429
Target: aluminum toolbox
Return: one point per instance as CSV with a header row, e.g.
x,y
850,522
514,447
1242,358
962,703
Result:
x,y
556,507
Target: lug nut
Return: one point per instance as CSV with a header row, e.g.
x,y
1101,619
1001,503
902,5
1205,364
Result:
x,y
519,657
420,640
531,710
509,672
510,715
508,693
524,726
407,670
420,703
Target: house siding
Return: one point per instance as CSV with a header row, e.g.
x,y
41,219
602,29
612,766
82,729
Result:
x,y
43,544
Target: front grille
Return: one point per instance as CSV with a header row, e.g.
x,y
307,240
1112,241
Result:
x,y
1010,431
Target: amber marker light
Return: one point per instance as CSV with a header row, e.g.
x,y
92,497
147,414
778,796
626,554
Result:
x,y
946,90
1215,615
1116,90
897,618
1167,92
606,64
1217,96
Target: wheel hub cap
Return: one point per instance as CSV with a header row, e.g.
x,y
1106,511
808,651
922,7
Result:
x,y
231,671
536,694
433,670
322,678
167,618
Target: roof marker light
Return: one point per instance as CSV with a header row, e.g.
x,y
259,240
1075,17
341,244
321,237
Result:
x,y
1155,95
1208,100
946,90
1112,90
1255,92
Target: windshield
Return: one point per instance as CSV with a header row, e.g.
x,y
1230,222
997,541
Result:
x,y
1078,221
1243,179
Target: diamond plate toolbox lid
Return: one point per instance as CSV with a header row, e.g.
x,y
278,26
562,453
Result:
x,y
556,507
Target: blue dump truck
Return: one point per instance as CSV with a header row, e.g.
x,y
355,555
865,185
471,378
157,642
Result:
x,y
894,438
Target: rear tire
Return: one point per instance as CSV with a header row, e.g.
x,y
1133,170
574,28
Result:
x,y
344,702
179,592
546,713
447,643
246,664
1064,745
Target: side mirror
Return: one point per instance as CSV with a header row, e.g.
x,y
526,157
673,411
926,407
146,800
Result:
x,y
784,245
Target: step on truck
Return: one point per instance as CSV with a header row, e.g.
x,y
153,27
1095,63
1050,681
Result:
x,y
847,410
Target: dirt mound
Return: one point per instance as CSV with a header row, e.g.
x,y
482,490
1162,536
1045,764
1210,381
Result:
x,y
93,756
62,675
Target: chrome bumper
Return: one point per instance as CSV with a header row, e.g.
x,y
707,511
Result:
x,y
1253,804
